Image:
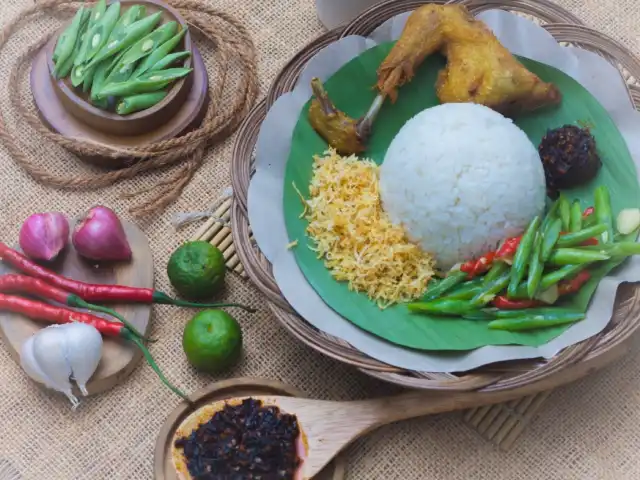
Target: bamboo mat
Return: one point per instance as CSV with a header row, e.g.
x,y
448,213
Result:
x,y
588,430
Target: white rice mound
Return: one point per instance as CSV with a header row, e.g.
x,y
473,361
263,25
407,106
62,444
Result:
x,y
460,178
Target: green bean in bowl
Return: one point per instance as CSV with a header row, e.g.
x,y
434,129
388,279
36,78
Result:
x,y
125,59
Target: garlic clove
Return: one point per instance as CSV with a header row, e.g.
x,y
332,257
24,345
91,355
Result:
x,y
30,365
84,350
49,350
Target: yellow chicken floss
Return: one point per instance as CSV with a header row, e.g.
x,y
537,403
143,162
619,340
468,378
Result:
x,y
354,236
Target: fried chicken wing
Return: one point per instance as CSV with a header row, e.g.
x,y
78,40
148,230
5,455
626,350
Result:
x,y
479,69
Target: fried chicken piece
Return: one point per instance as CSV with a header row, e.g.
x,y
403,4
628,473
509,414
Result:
x,y
336,127
479,69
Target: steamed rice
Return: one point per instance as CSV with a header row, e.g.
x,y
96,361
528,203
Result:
x,y
460,178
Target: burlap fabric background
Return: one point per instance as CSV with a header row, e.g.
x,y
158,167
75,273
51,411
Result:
x,y
589,430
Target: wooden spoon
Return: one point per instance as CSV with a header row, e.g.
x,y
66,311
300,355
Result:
x,y
329,426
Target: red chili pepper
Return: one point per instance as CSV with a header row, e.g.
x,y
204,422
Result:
x,y
504,303
95,293
477,267
13,283
44,312
508,249
589,242
567,287
589,211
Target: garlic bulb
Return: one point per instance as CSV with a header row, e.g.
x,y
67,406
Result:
x,y
58,353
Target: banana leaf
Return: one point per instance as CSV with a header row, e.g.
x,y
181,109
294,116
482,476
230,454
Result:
x,y
351,90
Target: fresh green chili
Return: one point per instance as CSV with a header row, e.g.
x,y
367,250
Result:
x,y
159,53
522,256
136,103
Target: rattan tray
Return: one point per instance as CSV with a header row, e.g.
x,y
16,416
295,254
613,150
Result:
x,y
566,29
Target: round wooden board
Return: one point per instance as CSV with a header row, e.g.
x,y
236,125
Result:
x,y
118,357
162,461
54,115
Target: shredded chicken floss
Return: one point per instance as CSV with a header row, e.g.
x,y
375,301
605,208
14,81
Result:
x,y
354,236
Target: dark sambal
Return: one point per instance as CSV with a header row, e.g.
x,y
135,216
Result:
x,y
248,441
569,157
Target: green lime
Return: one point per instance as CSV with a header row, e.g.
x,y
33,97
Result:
x,y
212,341
196,270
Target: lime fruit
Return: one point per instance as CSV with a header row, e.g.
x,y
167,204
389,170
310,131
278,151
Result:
x,y
196,270
212,341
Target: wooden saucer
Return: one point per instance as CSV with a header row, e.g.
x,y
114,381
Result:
x,y
53,114
162,459
119,358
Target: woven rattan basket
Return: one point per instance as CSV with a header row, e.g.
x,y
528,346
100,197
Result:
x,y
566,29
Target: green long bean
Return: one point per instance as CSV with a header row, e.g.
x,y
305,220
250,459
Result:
x,y
603,212
522,256
159,53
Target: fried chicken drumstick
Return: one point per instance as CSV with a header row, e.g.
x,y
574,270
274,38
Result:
x,y
479,70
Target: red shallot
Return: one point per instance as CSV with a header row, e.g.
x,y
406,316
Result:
x,y
44,235
101,237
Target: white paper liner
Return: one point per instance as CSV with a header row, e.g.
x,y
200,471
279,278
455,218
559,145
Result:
x,y
266,215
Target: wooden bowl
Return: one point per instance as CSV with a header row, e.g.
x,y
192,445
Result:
x,y
76,102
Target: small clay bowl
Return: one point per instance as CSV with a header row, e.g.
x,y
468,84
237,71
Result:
x,y
77,103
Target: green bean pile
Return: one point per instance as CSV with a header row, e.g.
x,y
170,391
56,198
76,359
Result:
x,y
124,61
552,260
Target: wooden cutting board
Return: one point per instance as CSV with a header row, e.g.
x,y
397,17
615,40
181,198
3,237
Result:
x,y
118,358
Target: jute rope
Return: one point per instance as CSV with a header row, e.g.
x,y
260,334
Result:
x,y
232,47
